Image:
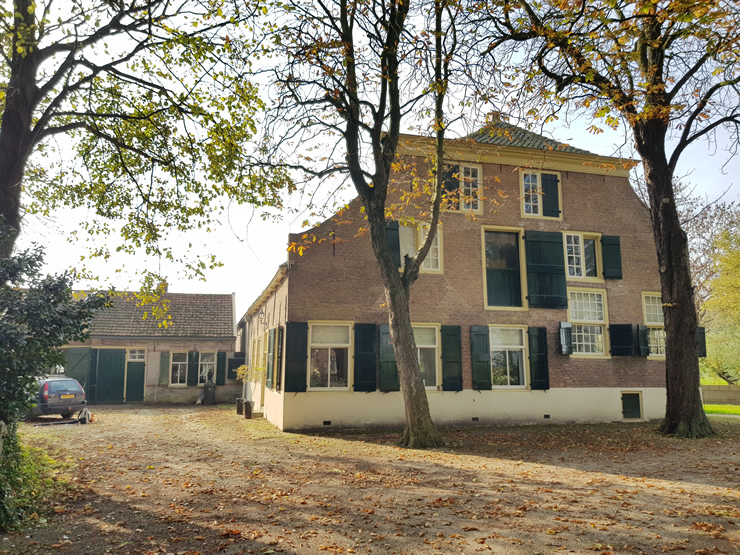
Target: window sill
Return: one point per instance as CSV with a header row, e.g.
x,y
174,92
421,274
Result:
x,y
509,388
656,357
327,389
478,212
511,308
584,279
592,357
178,385
534,217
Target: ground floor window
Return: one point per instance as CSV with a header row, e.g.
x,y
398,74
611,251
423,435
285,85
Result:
x,y
507,357
426,347
652,305
179,369
207,368
329,346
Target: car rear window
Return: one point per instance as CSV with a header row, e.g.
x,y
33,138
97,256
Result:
x,y
64,385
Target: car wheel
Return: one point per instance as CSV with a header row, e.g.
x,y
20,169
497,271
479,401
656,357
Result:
x,y
66,414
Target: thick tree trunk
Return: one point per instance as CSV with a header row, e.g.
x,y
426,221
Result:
x,y
16,128
420,431
685,415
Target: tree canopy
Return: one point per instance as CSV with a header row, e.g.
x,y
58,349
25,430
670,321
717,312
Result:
x,y
140,111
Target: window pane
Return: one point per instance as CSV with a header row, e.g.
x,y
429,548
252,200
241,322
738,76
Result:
x,y
431,262
329,367
499,372
506,337
208,357
516,368
531,194
330,335
428,366
179,357
586,307
503,281
470,188
589,252
588,339
653,310
656,341
406,241
425,336
575,260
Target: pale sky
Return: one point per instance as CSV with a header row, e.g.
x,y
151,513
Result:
x,y
251,249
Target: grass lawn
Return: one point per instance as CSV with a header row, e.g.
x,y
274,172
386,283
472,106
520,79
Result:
x,y
722,409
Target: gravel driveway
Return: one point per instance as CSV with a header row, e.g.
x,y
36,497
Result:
x,y
204,480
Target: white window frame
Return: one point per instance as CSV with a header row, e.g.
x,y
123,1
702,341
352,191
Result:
x,y
587,327
655,323
181,365
579,265
135,357
523,348
437,354
348,346
201,377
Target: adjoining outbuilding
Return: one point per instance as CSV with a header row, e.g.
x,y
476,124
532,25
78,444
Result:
x,y
130,358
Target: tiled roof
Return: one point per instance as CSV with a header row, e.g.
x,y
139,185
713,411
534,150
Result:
x,y
191,316
505,134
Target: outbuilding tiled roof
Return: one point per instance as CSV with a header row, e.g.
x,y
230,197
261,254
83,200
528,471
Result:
x,y
191,316
505,134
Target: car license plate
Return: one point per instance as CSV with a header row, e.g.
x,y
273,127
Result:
x,y
67,396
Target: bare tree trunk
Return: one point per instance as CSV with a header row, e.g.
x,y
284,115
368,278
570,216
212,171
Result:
x,y
685,415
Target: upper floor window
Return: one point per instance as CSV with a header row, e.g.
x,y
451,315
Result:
x,y
411,238
329,361
581,254
462,188
540,193
503,269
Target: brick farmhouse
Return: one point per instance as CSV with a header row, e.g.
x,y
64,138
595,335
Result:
x,y
539,301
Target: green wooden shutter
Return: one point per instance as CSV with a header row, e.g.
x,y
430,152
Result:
x,y
365,369
394,241
193,360
550,200
612,257
622,340
643,341
388,369
451,186
631,405
279,357
546,270
270,358
451,358
566,338
220,368
164,368
296,356
232,365
77,364
701,342
481,354
539,373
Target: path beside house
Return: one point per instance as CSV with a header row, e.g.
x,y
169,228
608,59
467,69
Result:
x,y
204,480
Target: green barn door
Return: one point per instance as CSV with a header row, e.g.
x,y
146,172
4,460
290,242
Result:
x,y
135,382
111,373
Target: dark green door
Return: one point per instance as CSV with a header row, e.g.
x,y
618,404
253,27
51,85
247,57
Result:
x,y
111,374
77,365
135,382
